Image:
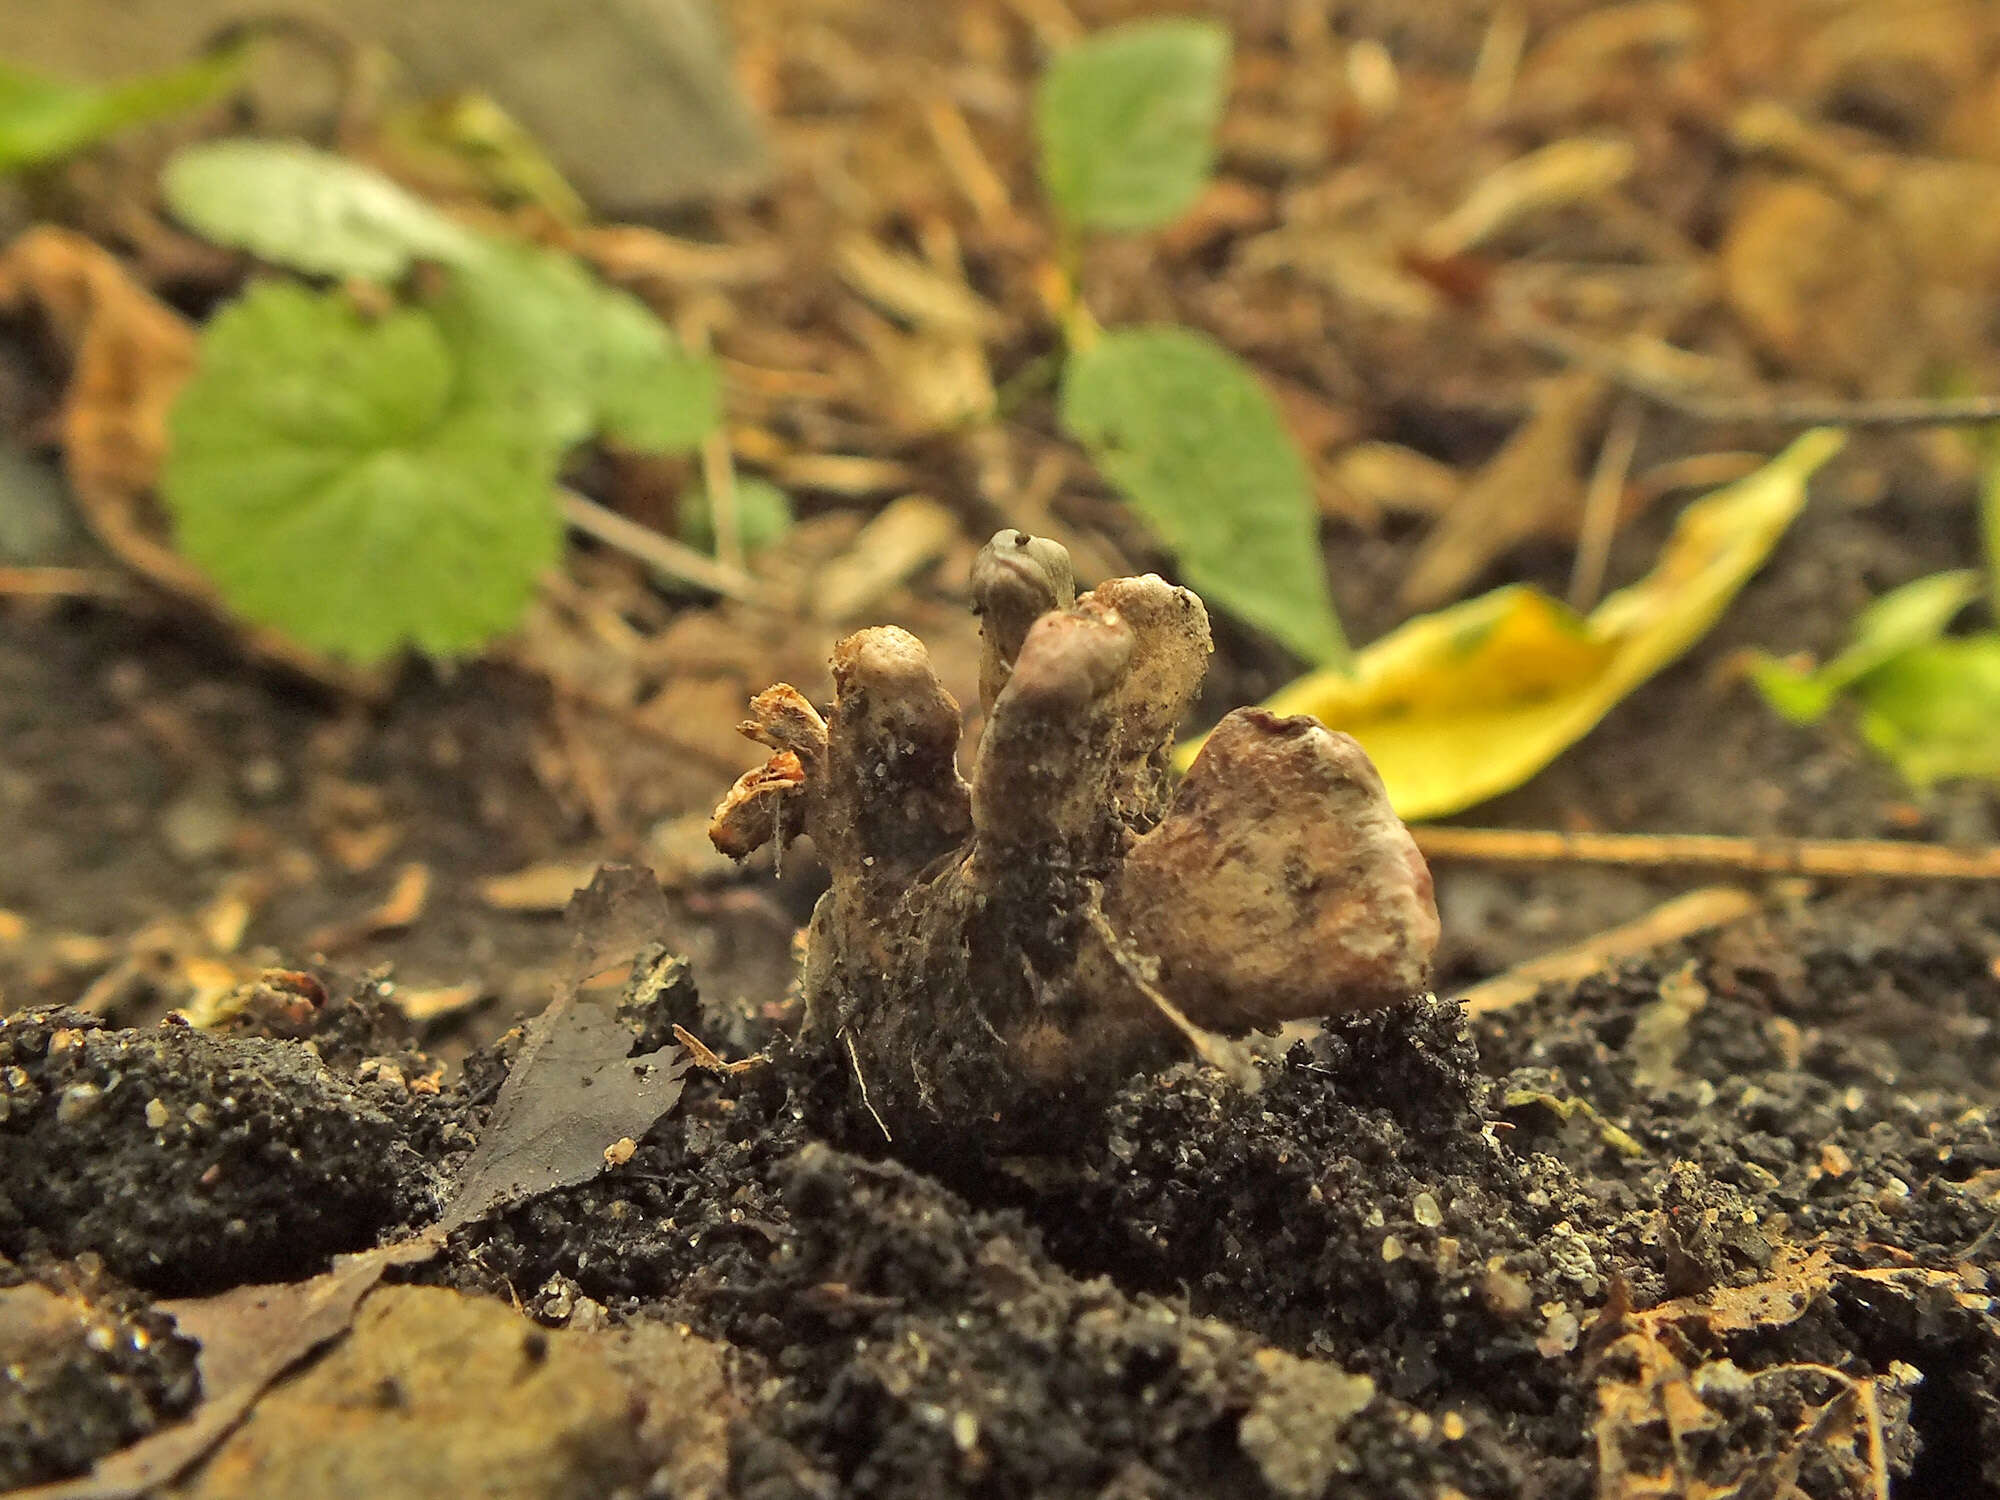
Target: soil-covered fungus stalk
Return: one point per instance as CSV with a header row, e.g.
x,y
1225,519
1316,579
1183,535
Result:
x,y
993,956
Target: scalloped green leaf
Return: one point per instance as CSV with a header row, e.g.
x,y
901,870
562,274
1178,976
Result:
x,y
1126,121
325,474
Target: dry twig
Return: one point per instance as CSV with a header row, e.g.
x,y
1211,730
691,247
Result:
x,y
1837,859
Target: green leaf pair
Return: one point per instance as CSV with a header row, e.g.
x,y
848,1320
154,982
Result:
x,y
1929,703
1184,429
365,486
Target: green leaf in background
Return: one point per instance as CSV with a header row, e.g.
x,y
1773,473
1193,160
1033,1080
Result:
x,y
308,210
1126,122
324,475
45,119
1902,620
541,339
1186,431
1935,710
763,514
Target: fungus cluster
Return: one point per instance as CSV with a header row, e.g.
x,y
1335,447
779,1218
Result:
x,y
995,953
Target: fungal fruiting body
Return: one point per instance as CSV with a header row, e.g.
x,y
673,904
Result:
x,y
993,955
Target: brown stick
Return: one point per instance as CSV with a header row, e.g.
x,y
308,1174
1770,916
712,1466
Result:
x,y
1765,408
1840,859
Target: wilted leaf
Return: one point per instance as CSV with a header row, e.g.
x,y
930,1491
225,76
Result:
x,y
45,119
548,347
1935,710
1902,620
1461,705
249,1336
324,474
1127,119
1185,430
307,210
130,356
575,1088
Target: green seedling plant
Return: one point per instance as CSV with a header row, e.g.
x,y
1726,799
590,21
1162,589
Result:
x,y
368,481
1126,123
1926,700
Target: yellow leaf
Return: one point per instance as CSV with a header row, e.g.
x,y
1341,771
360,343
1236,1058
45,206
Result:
x,y
1470,701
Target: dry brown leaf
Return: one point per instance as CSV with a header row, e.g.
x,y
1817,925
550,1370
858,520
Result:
x,y
1531,487
404,903
130,355
1558,174
434,1005
906,288
1367,479
1820,287
544,887
248,1337
575,1087
908,536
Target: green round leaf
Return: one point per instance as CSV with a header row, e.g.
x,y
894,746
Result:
x,y
1186,431
1127,119
308,210
763,514
539,337
323,474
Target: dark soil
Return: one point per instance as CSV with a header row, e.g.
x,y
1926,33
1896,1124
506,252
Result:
x,y
1397,1201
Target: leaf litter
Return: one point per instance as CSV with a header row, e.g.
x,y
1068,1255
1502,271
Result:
x,y
568,1111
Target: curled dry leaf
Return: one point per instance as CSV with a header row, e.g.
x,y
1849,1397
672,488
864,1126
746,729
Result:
x,y
130,354
994,953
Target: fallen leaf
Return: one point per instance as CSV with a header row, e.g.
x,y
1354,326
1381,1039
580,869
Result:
x,y
1558,174
130,355
543,887
249,1336
1530,487
1821,288
575,1089
1461,705
487,1404
397,910
421,1006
